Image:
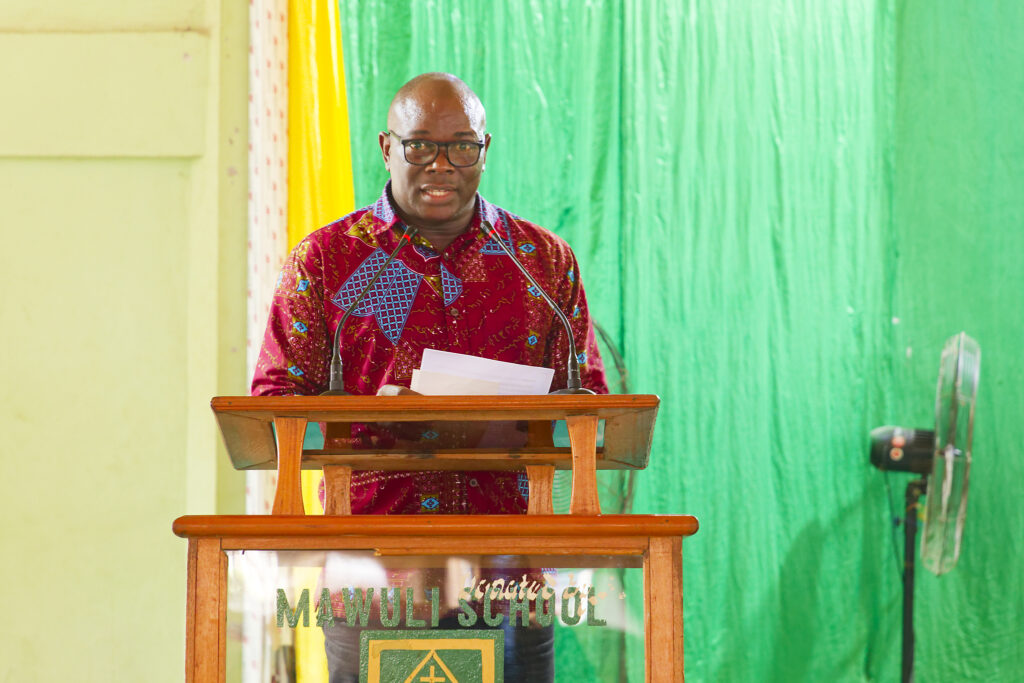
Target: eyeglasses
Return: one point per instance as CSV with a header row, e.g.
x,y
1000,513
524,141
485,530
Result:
x,y
460,153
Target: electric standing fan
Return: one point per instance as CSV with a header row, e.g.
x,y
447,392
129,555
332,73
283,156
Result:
x,y
945,455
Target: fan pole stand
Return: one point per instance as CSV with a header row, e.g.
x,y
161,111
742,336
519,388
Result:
x,y
915,489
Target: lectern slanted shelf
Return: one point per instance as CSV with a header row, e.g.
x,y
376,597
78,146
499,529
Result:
x,y
268,433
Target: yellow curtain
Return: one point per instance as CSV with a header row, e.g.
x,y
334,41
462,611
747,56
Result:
x,y
319,191
319,153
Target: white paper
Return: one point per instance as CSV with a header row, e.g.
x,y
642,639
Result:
x,y
442,384
512,379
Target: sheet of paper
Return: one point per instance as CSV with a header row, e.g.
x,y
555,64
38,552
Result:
x,y
441,384
512,379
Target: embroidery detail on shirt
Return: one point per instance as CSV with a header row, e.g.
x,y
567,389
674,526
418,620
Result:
x,y
300,327
524,486
532,339
491,247
582,357
527,248
451,285
429,502
425,251
571,275
532,289
390,299
382,209
499,218
489,212
435,284
296,370
362,230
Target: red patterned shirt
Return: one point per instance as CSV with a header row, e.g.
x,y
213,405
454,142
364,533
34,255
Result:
x,y
467,299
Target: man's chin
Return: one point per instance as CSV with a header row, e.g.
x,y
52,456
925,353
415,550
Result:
x,y
435,216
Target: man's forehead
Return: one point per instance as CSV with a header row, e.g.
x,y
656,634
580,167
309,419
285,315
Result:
x,y
419,120
437,104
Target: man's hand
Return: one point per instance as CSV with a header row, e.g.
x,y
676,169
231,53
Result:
x,y
396,390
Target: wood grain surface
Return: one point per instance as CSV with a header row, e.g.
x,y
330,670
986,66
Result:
x,y
629,421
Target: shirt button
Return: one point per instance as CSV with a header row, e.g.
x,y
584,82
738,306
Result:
x,y
454,312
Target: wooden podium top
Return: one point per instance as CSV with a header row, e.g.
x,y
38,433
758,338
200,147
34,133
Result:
x,y
245,423
378,527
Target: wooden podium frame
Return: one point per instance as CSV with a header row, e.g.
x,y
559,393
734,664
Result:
x,y
653,541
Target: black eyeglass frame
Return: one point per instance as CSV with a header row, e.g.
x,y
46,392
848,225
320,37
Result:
x,y
437,149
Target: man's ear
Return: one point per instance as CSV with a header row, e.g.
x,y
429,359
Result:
x,y
487,146
385,149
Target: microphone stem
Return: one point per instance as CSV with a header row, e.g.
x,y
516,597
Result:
x,y
336,383
573,380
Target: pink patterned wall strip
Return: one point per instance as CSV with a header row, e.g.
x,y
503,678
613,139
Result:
x,y
268,161
267,247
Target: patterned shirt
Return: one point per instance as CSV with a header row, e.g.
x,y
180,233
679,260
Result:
x,y
470,298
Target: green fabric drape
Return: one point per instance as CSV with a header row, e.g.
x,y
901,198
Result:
x,y
958,217
781,211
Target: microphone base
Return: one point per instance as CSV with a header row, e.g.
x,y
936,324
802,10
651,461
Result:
x,y
335,392
567,391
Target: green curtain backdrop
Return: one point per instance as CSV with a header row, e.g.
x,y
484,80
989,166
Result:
x,y
959,223
781,209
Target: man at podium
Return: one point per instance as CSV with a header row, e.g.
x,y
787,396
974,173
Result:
x,y
452,289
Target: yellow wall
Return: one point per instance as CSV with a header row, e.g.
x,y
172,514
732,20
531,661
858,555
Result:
x,y
122,210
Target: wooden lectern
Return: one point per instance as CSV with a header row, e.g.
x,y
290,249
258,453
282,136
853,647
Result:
x,y
268,433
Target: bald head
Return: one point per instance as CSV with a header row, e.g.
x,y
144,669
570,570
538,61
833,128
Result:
x,y
434,92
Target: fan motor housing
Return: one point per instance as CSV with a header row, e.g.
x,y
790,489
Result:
x,y
902,449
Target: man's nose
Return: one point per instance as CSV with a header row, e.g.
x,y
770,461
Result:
x,y
440,164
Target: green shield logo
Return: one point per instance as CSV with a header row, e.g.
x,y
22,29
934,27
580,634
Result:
x,y
418,656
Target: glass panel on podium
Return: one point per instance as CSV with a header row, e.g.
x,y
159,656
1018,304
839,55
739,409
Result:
x,y
514,434
434,618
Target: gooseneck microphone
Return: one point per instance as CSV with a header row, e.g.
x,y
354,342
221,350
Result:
x,y
573,383
336,386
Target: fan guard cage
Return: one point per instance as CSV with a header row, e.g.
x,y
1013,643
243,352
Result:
x,y
946,506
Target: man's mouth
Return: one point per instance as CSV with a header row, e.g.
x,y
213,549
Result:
x,y
438,193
